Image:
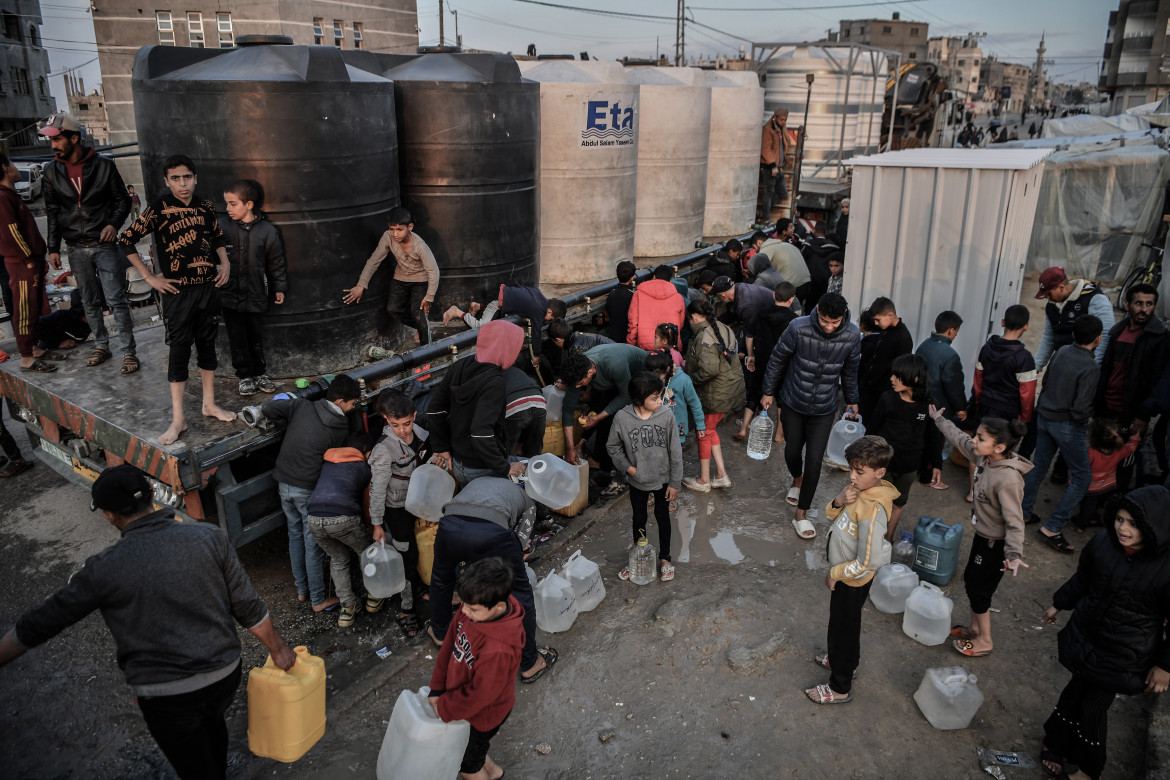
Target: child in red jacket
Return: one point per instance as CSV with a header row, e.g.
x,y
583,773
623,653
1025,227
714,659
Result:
x,y
1107,448
475,675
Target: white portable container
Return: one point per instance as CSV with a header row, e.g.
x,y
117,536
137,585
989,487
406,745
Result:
x,y
949,697
418,744
556,604
892,585
733,157
928,615
551,481
585,577
383,572
430,488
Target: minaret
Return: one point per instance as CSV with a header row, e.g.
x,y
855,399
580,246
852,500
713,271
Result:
x,y
1037,73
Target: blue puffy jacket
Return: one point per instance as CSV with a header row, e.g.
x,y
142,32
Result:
x,y
812,364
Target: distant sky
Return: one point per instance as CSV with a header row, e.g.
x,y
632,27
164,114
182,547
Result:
x,y
1075,29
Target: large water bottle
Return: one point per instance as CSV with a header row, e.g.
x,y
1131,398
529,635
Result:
x,y
892,585
383,571
556,604
904,549
928,615
431,487
949,697
759,445
585,577
286,710
418,744
551,481
844,433
936,549
643,563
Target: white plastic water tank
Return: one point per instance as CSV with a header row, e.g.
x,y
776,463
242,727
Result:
x,y
674,127
831,134
733,159
588,168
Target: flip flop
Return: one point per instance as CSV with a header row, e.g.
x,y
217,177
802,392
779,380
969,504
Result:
x,y
52,354
793,496
1058,542
964,647
940,486
40,367
804,529
550,660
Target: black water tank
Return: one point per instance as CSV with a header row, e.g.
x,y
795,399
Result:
x,y
468,135
319,135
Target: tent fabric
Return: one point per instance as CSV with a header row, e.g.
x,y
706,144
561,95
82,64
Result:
x,y
1087,142
1096,206
1093,125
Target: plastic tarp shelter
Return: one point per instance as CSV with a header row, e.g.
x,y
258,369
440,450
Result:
x,y
1097,204
939,229
1086,124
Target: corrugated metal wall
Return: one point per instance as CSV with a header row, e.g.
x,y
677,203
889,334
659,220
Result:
x,y
934,238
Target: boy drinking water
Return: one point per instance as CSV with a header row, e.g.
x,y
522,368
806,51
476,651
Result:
x,y
416,274
859,514
477,682
258,275
187,235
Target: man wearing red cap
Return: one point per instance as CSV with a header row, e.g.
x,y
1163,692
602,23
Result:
x,y
1068,300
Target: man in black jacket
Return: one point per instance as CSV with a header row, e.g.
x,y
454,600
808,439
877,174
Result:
x,y
85,204
893,341
817,253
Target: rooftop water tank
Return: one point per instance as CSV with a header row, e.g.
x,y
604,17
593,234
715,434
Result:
x,y
833,108
588,168
674,128
469,135
733,159
319,136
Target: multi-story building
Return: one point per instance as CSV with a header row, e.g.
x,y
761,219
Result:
x,y
122,27
88,109
994,75
908,38
1136,68
959,59
24,73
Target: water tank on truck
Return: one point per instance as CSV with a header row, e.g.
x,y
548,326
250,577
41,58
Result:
x,y
733,161
319,137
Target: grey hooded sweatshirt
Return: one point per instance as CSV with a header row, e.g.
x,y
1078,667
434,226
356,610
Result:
x,y
652,446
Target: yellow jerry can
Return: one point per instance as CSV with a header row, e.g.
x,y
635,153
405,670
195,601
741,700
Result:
x,y
286,710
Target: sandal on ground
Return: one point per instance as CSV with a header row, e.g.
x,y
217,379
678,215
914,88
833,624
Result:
x,y
961,631
98,356
624,574
823,694
40,367
16,466
409,623
130,364
793,496
822,661
1048,755
940,485
804,529
550,660
967,648
1058,542
666,574
52,354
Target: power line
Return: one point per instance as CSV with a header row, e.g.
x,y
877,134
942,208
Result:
x,y
804,8
598,11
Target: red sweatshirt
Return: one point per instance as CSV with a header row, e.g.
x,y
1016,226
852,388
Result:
x,y
19,237
475,675
1104,465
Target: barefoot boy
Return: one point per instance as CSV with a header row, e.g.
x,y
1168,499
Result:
x,y
186,237
859,514
475,674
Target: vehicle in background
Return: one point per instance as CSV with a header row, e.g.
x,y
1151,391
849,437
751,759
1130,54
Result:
x,y
32,182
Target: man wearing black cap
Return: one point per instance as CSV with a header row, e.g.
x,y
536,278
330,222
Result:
x,y
85,204
168,592
1068,300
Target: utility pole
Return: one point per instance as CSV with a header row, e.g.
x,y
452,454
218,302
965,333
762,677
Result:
x,y
680,35
440,22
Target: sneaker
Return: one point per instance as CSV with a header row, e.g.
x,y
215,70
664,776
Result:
x,y
613,489
693,483
721,482
248,386
345,619
373,604
265,385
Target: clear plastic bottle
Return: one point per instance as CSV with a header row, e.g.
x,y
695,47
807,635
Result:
x,y
904,549
383,572
949,697
643,565
585,577
759,445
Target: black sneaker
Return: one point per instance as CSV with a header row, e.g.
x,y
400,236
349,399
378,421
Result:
x,y
265,385
248,386
614,489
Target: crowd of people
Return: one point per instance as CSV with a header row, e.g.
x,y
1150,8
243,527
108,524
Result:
x,y
761,329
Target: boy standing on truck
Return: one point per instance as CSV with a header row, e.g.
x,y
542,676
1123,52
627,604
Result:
x,y
23,251
186,238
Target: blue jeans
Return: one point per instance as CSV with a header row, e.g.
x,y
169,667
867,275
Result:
x,y
1069,439
97,272
308,560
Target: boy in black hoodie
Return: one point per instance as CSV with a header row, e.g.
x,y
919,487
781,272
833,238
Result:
x,y
258,274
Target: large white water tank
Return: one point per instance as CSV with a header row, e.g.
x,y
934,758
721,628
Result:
x,y
674,127
588,168
834,106
733,159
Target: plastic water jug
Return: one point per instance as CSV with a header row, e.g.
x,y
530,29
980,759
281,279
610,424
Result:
x,y
936,554
531,575
418,744
551,481
585,577
892,585
904,549
286,710
759,445
431,487
844,433
556,604
643,564
886,554
383,572
553,399
949,697
928,615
